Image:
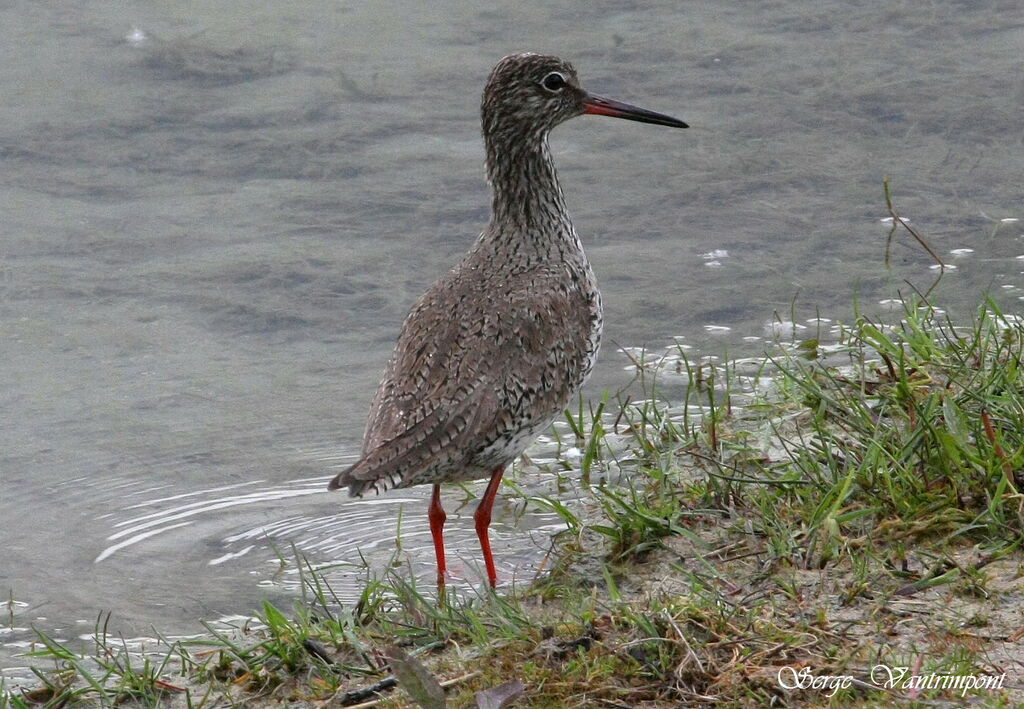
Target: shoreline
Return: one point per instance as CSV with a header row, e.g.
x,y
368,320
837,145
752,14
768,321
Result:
x,y
792,526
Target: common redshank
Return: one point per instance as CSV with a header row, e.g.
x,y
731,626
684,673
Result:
x,y
494,351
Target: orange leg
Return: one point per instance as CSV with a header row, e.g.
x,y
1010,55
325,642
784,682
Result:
x,y
482,516
437,517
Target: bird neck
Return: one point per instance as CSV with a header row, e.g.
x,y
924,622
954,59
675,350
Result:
x,y
526,195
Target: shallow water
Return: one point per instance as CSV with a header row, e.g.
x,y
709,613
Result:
x,y
213,225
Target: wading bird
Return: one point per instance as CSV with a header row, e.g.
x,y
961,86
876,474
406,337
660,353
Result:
x,y
494,351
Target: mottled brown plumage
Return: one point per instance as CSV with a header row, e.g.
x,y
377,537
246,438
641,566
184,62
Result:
x,y
495,349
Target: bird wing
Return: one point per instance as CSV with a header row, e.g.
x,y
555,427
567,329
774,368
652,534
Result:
x,y
476,357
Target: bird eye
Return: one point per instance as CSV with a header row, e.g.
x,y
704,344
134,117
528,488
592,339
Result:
x,y
553,82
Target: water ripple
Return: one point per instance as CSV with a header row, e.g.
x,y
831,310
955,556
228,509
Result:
x,y
145,526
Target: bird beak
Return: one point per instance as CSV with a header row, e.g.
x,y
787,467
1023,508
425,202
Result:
x,y
600,106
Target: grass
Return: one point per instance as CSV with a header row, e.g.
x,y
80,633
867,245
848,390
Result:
x,y
828,509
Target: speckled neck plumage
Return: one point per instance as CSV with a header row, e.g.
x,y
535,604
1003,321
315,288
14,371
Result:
x,y
528,211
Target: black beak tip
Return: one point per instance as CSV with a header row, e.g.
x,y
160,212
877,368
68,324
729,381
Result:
x,y
598,105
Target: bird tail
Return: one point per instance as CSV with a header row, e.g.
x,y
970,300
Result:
x,y
342,479
359,486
